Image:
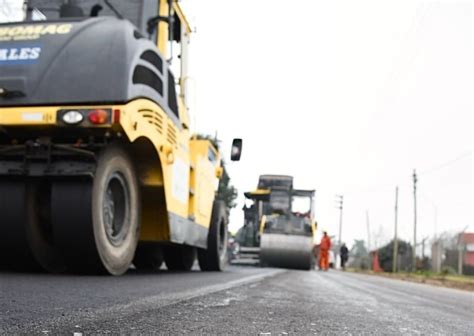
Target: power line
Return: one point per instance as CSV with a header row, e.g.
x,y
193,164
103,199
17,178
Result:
x,y
446,164
388,187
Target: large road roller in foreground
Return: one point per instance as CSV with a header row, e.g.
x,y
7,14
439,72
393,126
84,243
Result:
x,y
279,224
98,168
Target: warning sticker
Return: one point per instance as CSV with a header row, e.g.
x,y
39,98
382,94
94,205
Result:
x,y
180,180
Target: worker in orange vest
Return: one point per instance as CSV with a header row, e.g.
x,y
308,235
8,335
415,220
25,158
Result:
x,y
324,248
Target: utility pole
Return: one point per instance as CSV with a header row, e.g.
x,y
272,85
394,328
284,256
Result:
x,y
460,255
368,230
395,236
415,180
340,205
461,250
436,254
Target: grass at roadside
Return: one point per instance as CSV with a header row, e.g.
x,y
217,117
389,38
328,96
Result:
x,y
463,282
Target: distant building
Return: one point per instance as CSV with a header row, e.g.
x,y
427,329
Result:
x,y
454,254
467,241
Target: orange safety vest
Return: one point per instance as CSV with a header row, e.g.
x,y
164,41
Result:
x,y
325,243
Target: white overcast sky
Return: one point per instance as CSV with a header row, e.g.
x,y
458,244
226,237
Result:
x,y
348,97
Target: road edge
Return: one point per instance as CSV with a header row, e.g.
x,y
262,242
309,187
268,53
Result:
x,y
435,281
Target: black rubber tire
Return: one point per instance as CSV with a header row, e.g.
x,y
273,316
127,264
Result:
x,y
214,258
40,230
26,240
79,211
148,257
179,257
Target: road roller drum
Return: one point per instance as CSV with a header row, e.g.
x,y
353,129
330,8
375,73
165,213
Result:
x,y
287,251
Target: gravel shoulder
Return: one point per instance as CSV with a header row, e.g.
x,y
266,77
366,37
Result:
x,y
448,281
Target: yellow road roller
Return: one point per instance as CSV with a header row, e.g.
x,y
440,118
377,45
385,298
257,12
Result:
x,y
98,167
279,224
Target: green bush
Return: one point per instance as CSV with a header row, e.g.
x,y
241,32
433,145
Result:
x,y
448,270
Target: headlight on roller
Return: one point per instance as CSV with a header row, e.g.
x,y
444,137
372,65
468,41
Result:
x,y
72,117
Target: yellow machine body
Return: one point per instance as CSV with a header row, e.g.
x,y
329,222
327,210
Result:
x,y
178,172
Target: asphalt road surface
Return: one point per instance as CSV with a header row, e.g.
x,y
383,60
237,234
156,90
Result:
x,y
242,300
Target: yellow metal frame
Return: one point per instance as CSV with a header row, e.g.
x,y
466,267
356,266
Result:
x,y
143,119
177,177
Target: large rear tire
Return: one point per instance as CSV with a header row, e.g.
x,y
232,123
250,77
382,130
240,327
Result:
x,y
97,225
214,258
26,239
179,257
39,229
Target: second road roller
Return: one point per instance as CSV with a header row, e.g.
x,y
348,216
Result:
x,y
279,225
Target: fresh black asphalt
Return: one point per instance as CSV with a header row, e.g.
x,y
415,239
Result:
x,y
240,301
